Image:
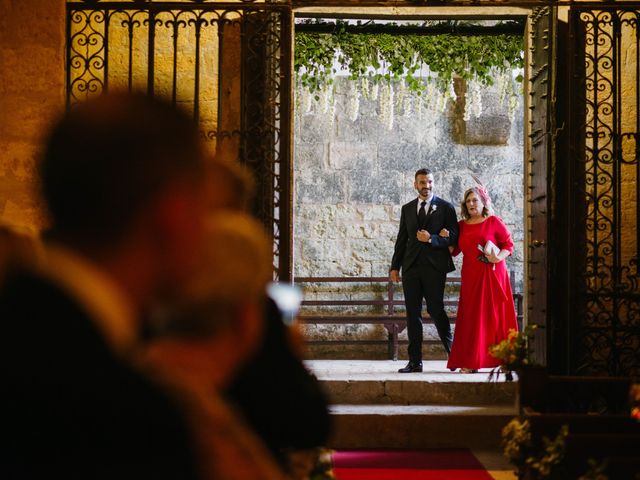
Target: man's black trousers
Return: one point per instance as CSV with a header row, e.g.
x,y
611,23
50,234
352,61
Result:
x,y
422,280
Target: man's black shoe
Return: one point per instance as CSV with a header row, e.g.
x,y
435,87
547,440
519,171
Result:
x,y
411,367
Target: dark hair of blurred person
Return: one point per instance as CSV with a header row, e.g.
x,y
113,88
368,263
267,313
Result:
x,y
124,173
123,179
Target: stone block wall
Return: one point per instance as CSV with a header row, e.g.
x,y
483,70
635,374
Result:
x,y
31,93
351,177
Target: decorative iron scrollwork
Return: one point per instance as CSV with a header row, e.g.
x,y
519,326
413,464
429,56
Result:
x,y
606,194
86,53
173,49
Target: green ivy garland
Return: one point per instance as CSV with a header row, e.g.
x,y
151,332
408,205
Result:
x,y
469,57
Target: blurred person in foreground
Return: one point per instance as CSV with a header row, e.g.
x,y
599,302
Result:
x,y
293,418
202,340
123,178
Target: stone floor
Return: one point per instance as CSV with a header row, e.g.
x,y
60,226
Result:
x,y
374,406
378,382
433,371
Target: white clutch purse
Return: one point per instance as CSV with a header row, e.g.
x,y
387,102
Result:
x,y
488,249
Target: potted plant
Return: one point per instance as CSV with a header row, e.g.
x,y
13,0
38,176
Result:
x,y
514,353
534,458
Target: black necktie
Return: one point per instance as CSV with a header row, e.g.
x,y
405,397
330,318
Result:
x,y
422,215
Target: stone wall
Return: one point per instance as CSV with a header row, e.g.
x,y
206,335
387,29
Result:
x,y
31,92
353,176
32,85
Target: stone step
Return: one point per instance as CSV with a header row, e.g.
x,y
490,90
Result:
x,y
419,426
379,383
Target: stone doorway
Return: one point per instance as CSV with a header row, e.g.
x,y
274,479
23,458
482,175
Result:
x,y
354,160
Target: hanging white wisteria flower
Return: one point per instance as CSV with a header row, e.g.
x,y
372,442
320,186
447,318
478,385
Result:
x,y
364,87
477,100
430,130
386,104
513,105
332,111
306,101
431,96
467,106
400,94
451,91
375,89
391,104
408,105
353,101
473,100
296,99
420,106
327,98
441,100
502,86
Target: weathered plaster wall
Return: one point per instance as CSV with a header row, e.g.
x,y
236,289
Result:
x,y
629,200
32,85
352,177
31,91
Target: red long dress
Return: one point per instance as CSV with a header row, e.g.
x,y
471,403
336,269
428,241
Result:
x,y
486,311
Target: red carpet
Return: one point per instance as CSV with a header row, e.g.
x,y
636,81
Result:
x,y
441,464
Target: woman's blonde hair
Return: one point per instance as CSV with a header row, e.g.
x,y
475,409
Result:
x,y
486,209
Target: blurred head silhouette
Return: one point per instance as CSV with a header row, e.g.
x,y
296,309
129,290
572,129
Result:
x,y
123,177
218,322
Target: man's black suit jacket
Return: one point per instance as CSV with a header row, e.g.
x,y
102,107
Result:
x,y
69,408
408,248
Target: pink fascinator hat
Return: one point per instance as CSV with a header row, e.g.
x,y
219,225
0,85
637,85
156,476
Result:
x,y
482,191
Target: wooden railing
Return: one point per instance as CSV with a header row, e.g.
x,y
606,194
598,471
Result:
x,y
393,320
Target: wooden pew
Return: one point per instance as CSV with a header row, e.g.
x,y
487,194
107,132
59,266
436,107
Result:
x,y
381,305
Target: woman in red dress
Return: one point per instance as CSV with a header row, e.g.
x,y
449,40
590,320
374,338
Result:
x,y
486,311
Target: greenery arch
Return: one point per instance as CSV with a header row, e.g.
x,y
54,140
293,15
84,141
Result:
x,y
364,55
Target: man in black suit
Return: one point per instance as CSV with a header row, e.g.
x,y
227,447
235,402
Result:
x,y
123,177
425,261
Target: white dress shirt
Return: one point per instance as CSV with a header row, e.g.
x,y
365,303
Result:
x,y
426,205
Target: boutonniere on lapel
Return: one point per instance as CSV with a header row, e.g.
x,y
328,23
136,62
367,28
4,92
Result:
x,y
433,208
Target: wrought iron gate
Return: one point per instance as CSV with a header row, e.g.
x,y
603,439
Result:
x,y
229,63
604,218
